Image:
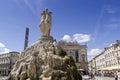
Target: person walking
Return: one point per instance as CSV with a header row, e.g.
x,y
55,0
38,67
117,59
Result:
x,y
116,76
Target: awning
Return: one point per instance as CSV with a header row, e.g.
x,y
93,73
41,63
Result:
x,y
112,68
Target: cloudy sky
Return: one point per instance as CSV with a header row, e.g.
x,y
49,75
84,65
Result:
x,y
92,22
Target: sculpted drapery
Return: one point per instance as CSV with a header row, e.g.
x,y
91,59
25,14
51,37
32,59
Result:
x,y
46,22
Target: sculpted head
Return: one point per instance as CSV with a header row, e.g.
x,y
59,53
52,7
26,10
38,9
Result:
x,y
46,9
43,13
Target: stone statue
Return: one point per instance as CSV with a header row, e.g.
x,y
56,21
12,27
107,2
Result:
x,y
46,22
45,60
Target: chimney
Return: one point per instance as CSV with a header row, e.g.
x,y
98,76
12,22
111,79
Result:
x,y
26,37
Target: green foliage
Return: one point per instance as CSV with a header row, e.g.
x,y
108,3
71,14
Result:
x,y
63,78
63,53
57,75
73,69
36,77
23,76
9,78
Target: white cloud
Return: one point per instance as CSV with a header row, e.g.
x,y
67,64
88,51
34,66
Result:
x,y
80,38
3,48
90,58
94,52
110,44
2,45
66,38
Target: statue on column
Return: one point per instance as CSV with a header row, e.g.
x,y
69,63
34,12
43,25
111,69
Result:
x,y
46,22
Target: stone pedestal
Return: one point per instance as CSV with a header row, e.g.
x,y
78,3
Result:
x,y
46,38
44,60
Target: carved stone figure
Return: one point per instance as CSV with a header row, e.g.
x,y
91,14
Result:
x,y
46,22
45,59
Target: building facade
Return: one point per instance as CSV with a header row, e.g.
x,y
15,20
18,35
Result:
x,y
7,60
78,52
92,65
108,61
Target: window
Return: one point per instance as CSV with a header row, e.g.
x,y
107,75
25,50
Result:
x,y
83,58
76,56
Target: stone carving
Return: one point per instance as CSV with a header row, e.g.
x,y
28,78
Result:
x,y
46,22
44,60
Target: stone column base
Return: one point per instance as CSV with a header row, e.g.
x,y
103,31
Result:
x,y
46,38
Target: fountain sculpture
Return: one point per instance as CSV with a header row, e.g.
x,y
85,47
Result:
x,y
45,59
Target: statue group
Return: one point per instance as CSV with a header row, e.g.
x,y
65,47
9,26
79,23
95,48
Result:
x,y
46,22
44,60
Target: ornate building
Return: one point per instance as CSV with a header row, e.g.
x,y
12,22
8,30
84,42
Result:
x,y
92,65
78,52
7,61
108,61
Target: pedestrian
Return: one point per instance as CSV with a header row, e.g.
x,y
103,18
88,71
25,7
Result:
x,y
91,75
116,76
81,73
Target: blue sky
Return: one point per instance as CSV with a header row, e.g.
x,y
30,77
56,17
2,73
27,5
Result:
x,y
92,22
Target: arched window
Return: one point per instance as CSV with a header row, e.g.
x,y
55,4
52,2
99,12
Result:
x,y
83,58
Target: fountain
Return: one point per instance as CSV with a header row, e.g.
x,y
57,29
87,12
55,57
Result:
x,y
45,59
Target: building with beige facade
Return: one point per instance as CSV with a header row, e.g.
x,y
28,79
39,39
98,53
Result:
x,y
92,65
7,60
78,52
108,61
